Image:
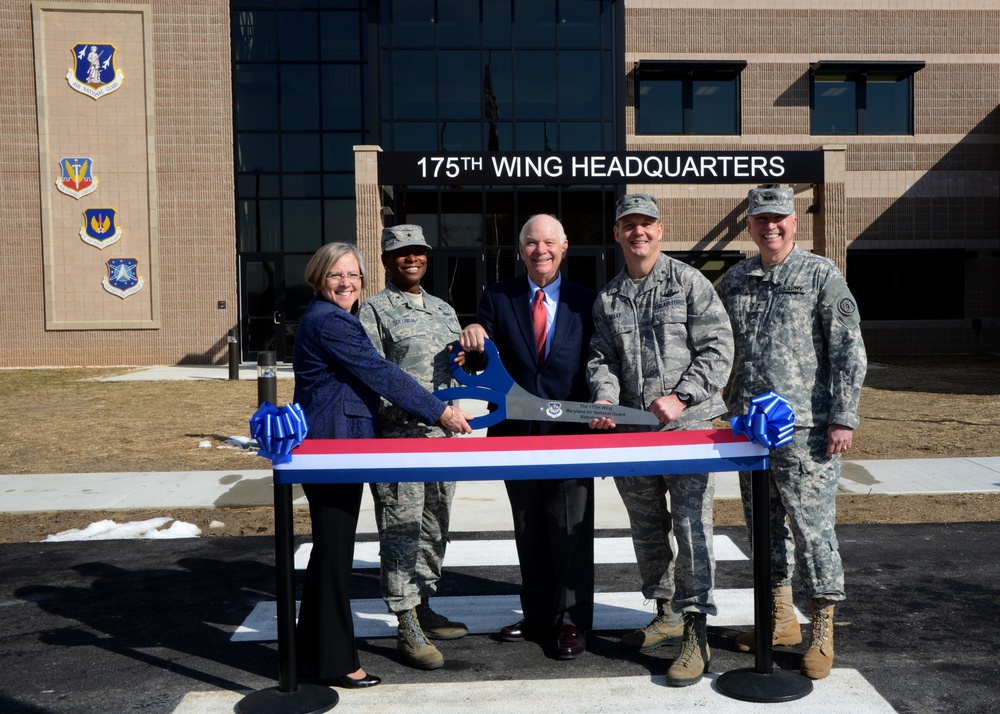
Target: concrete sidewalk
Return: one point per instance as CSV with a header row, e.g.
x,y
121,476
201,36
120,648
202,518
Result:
x,y
479,505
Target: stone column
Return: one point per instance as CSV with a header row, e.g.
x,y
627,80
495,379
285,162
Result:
x,y
830,228
369,215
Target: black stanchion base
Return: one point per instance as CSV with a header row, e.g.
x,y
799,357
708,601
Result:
x,y
306,699
749,685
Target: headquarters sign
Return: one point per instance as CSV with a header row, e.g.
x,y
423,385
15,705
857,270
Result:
x,y
567,168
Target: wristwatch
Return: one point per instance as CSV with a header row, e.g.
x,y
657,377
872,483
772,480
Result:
x,y
686,398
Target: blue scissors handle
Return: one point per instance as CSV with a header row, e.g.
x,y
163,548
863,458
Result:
x,y
491,386
494,376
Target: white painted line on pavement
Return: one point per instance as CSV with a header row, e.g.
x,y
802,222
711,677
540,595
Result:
x,y
845,691
488,553
487,614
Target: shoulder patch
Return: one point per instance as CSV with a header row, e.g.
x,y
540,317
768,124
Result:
x,y
838,297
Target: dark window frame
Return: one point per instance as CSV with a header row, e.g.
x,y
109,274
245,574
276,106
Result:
x,y
688,72
857,72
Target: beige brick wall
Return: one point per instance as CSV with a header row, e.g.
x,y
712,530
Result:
x,y
185,122
939,188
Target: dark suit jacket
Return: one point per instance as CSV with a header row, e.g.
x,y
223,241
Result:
x,y
553,518
505,314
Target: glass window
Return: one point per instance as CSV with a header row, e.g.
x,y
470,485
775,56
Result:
x,y
414,84
413,22
461,219
659,105
254,36
256,152
256,100
461,136
582,219
340,36
580,85
458,23
297,36
579,23
498,84
257,226
712,106
301,186
859,98
342,97
535,88
299,97
301,226
497,26
300,152
580,136
534,23
415,136
459,81
536,136
338,151
887,109
835,105
341,222
677,98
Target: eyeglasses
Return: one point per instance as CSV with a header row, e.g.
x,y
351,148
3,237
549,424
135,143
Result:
x,y
337,277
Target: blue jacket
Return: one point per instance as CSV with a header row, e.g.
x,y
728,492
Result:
x,y
339,377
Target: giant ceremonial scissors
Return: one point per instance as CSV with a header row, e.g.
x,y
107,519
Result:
x,y
495,386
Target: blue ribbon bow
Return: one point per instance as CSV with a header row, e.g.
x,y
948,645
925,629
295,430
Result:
x,y
278,431
769,422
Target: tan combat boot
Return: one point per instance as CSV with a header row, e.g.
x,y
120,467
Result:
x,y
695,657
786,625
411,643
818,658
666,628
438,627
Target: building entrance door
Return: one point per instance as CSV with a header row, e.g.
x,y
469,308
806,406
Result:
x,y
262,295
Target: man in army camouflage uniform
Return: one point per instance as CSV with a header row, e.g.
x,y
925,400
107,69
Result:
x,y
412,328
797,334
662,342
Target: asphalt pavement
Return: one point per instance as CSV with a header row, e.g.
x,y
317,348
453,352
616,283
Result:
x,y
187,626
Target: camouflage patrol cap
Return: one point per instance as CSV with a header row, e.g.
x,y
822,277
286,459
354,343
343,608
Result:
x,y
641,203
771,200
402,236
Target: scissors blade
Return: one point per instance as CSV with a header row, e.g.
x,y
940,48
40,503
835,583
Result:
x,y
532,408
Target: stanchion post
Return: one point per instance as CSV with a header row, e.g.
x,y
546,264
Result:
x,y
762,683
289,697
267,378
234,356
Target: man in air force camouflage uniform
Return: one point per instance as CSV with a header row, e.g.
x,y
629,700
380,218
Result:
x,y
662,342
797,333
412,328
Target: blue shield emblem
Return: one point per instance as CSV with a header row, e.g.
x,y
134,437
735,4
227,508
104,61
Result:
x,y
94,72
99,227
77,177
123,277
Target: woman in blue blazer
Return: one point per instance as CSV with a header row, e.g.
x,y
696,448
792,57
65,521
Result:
x,y
339,379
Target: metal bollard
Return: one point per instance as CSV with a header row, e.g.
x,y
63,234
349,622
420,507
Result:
x,y
234,356
267,378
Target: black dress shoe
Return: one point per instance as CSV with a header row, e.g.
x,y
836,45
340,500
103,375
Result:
x,y
518,632
369,680
572,642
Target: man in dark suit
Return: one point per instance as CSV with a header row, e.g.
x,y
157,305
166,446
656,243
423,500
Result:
x,y
541,325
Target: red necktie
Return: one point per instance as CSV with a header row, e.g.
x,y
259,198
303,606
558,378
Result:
x,y
540,320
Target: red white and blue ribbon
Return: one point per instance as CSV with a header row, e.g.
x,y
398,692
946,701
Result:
x,y
769,422
519,458
278,431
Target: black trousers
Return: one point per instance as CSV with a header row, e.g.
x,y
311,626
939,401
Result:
x,y
324,635
554,532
